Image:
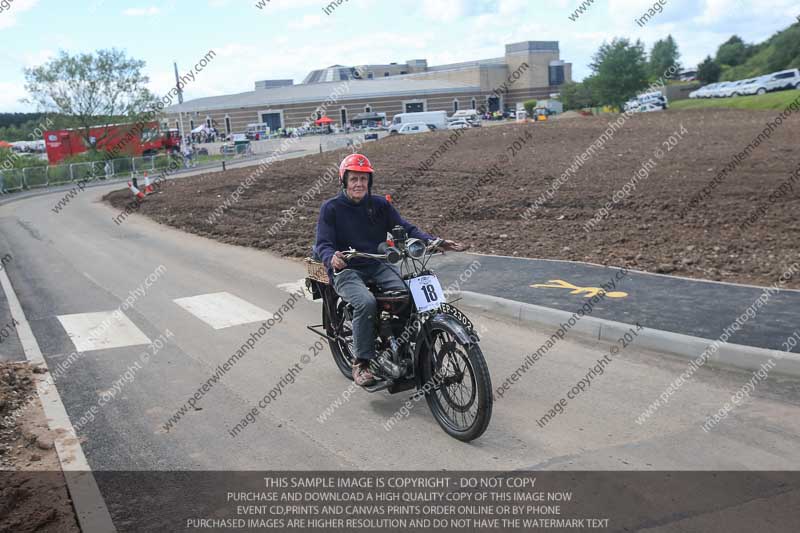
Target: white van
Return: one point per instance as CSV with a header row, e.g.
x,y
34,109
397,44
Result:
x,y
262,129
437,118
654,98
778,81
411,128
471,116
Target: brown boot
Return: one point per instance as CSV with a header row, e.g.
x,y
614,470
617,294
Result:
x,y
362,375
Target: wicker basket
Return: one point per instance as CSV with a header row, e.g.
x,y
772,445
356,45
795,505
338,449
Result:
x,y
317,271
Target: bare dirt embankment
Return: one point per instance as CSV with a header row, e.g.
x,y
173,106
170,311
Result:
x,y
646,230
33,491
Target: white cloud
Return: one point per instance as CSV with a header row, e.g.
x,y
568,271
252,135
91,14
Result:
x,y
8,17
508,8
10,94
453,10
34,58
295,4
307,22
141,11
444,10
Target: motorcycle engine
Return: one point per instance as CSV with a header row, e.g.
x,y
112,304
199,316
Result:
x,y
383,366
387,363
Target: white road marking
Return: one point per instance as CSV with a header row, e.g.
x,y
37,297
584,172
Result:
x,y
293,287
223,310
103,330
89,505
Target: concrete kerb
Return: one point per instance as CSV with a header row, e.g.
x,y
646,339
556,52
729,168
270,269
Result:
x,y
728,356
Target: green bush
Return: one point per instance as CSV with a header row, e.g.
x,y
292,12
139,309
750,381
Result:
x,y
11,159
530,105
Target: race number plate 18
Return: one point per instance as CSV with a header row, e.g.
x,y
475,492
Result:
x,y
427,292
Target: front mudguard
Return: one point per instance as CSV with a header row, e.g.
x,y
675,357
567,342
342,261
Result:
x,y
458,329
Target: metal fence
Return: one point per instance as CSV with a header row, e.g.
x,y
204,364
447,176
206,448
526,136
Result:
x,y
126,168
44,176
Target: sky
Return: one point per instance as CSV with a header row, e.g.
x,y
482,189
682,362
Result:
x,y
288,38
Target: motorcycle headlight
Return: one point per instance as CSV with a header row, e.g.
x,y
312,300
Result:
x,y
393,255
415,248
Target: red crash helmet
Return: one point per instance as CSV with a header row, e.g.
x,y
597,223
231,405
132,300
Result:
x,y
356,162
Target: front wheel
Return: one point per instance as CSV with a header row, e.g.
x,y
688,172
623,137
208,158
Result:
x,y
457,385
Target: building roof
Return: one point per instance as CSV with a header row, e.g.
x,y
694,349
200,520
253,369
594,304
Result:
x,y
337,91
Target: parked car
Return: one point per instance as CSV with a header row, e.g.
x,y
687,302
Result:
x,y
458,125
647,108
731,89
750,86
778,81
719,90
703,91
655,98
710,90
413,127
740,87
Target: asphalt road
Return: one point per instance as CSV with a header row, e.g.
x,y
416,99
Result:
x,y
79,261
693,307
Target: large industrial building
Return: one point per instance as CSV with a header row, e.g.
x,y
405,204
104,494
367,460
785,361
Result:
x,y
529,69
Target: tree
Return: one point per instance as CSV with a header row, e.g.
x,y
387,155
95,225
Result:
x,y
578,95
664,59
732,52
92,88
708,71
620,71
529,105
785,48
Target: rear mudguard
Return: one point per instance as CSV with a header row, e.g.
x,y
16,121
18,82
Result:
x,y
446,320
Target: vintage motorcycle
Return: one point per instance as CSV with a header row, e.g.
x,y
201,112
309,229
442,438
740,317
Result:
x,y
422,341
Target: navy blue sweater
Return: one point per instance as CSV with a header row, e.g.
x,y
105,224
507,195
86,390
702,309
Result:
x,y
344,224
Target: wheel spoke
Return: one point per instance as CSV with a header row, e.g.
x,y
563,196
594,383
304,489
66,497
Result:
x,y
457,393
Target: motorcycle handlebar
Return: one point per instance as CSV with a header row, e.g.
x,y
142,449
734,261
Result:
x,y
351,253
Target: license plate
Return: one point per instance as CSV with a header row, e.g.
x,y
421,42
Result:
x,y
427,292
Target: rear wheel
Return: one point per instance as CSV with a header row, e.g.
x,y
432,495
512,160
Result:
x,y
340,326
457,385
761,91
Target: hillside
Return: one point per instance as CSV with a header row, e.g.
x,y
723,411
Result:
x,y
779,52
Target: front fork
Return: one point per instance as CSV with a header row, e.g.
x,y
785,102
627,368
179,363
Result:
x,y
424,342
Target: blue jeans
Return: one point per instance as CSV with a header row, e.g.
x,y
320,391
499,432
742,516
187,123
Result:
x,y
350,284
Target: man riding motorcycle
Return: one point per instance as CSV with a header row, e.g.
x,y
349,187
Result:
x,y
357,219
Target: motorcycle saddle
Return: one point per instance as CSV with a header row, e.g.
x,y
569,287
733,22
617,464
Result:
x,y
375,289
